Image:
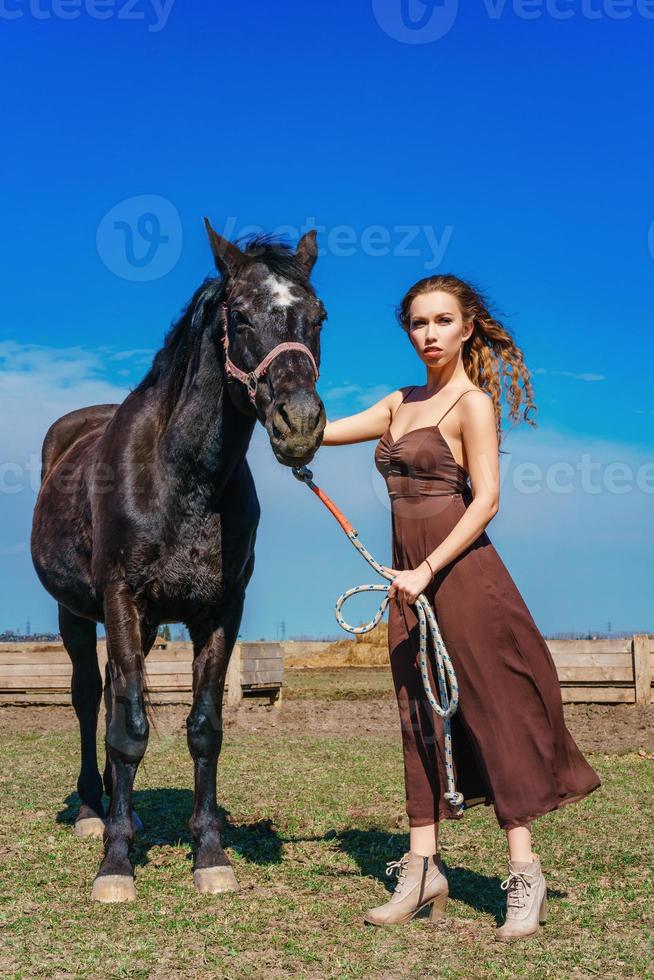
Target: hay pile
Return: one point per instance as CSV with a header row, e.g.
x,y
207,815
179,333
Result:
x,y
364,650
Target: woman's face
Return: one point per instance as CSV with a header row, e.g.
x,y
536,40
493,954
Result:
x,y
436,327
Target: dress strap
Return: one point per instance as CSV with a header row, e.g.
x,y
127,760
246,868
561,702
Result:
x,y
453,404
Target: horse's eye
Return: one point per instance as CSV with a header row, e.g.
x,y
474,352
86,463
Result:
x,y
239,319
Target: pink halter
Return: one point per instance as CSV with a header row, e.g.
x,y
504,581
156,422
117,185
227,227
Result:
x,y
251,380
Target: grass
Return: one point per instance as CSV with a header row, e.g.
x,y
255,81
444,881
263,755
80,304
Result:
x,y
338,683
309,824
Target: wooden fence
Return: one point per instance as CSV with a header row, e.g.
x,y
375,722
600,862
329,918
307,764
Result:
x,y
594,671
43,676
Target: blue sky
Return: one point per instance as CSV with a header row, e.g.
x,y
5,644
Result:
x,y
510,143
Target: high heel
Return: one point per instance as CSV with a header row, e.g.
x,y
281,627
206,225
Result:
x,y
421,882
437,910
526,901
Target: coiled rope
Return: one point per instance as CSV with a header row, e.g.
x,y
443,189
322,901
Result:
x,y
449,697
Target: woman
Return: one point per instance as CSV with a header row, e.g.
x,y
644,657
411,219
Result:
x,y
512,749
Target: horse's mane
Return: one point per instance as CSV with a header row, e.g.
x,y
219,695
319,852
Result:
x,y
182,342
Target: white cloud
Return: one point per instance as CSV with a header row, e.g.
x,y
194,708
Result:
x,y
576,375
38,384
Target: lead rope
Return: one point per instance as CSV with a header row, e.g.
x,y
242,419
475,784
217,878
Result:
x,y
449,700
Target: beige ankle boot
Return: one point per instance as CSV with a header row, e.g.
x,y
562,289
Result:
x,y
526,901
421,882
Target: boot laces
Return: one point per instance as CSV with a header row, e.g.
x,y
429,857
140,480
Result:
x,y
517,886
398,868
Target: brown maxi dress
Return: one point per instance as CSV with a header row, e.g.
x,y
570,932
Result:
x,y
511,747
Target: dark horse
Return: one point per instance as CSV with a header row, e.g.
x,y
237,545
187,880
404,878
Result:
x,y
148,513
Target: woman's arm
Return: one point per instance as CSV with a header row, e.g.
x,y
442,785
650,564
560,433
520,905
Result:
x,y
369,424
481,451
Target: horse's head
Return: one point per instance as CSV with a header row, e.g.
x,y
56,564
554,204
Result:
x,y
268,302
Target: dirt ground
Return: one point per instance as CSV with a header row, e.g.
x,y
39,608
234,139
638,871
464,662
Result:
x,y
596,728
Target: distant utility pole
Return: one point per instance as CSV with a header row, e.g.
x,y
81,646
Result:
x,y
608,625
28,628
281,632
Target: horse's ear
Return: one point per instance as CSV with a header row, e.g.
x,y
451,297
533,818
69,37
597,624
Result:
x,y
228,257
307,251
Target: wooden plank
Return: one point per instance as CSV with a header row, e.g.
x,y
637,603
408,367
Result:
x,y
61,657
262,677
34,682
272,653
598,695
46,669
257,663
260,649
170,656
27,657
233,678
266,668
592,659
36,670
610,675
621,645
262,667
642,668
169,681
168,668
32,697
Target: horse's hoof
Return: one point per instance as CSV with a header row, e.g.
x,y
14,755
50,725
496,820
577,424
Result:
x,y
89,827
137,823
210,881
113,888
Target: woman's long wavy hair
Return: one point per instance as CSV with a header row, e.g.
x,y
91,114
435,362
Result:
x,y
491,357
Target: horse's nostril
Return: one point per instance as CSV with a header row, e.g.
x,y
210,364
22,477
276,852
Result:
x,y
281,421
284,414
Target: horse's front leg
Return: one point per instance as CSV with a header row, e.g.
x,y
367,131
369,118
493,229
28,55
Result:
x,y
148,636
127,738
213,643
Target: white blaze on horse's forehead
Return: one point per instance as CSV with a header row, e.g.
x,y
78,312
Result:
x,y
281,291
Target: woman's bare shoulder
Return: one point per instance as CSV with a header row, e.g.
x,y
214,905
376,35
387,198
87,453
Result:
x,y
477,391
479,406
476,388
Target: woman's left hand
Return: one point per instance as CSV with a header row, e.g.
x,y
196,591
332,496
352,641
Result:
x,y
410,583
